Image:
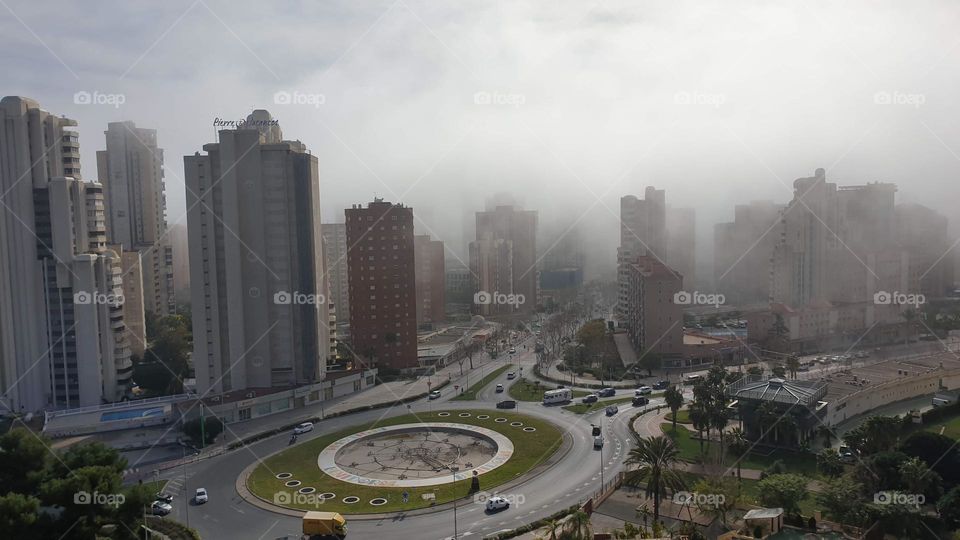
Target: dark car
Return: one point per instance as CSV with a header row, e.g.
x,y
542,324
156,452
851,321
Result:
x,y
640,401
507,404
589,398
661,385
612,410
606,392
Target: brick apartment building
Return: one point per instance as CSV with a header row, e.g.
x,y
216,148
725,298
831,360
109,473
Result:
x,y
430,277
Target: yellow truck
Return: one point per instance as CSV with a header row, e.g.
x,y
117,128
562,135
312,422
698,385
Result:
x,y
324,525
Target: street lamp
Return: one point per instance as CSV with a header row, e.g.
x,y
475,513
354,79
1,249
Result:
x,y
601,454
454,469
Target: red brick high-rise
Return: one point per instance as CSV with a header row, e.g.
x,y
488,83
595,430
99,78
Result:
x,y
381,276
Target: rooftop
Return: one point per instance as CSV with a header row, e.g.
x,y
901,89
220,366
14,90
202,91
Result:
x,y
780,390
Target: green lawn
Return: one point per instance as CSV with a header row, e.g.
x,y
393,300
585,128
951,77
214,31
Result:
x,y
530,449
951,427
796,462
585,408
526,390
683,416
471,393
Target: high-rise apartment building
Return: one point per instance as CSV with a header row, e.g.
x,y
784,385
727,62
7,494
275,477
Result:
x,y
134,316
923,233
382,276
682,244
643,231
654,321
742,251
503,260
335,255
259,297
131,172
63,341
430,280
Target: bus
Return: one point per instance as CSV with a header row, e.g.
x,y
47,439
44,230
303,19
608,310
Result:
x,y
561,395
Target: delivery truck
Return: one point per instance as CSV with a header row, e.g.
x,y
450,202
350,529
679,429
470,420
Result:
x,y
322,525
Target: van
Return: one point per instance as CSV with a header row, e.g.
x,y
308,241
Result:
x,y
561,395
692,379
324,524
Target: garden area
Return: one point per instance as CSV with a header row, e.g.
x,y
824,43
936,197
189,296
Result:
x,y
527,390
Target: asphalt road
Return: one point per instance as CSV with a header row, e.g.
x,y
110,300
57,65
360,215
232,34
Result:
x,y
573,479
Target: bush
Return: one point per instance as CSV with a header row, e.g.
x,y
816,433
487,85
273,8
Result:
x,y
212,429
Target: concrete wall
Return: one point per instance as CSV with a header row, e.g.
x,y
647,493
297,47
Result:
x,y
903,388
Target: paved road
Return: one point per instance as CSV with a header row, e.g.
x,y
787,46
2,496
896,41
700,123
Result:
x,y
573,479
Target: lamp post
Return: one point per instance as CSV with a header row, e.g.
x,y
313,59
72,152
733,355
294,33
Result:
x,y
454,469
601,454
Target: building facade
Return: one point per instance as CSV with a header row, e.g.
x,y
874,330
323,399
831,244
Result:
x,y
131,172
381,271
430,276
654,322
643,231
682,244
742,251
335,255
259,297
503,261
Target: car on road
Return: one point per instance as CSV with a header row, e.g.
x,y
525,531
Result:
x,y
643,390
661,385
513,350
589,398
433,395
499,388
607,392
303,428
160,508
164,498
201,496
512,375
612,410
507,404
495,504
640,401
598,441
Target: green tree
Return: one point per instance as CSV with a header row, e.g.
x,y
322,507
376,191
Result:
x,y
649,362
841,499
25,457
948,507
917,478
656,461
18,515
578,527
738,444
876,434
674,400
700,418
786,491
793,365
779,371
717,496
212,428
828,463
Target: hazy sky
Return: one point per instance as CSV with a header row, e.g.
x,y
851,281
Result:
x,y
566,105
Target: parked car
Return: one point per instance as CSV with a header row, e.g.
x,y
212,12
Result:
x,y
433,395
164,497
160,508
661,385
643,390
303,428
512,350
612,410
507,404
201,496
607,392
512,375
589,398
495,504
640,401
499,388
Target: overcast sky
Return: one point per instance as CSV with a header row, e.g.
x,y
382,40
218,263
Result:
x,y
565,105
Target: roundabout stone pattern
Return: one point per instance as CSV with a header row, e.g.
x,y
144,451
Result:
x,y
428,456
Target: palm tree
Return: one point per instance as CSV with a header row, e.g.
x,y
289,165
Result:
x,y
643,513
700,419
793,366
739,445
674,399
656,460
578,526
552,526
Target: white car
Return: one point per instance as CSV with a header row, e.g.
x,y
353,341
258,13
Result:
x,y
499,388
497,503
303,428
511,375
434,395
160,508
643,390
512,350
201,496
598,441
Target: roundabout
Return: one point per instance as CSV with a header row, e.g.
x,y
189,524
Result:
x,y
404,463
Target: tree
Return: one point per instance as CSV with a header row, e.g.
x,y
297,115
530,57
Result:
x,y
779,371
165,364
786,491
828,463
649,361
917,478
948,507
793,365
656,460
827,434
739,446
700,418
674,399
720,495
24,460
578,526
842,500
877,433
212,427
939,452
18,514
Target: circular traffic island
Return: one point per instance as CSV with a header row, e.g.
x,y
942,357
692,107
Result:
x,y
404,463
